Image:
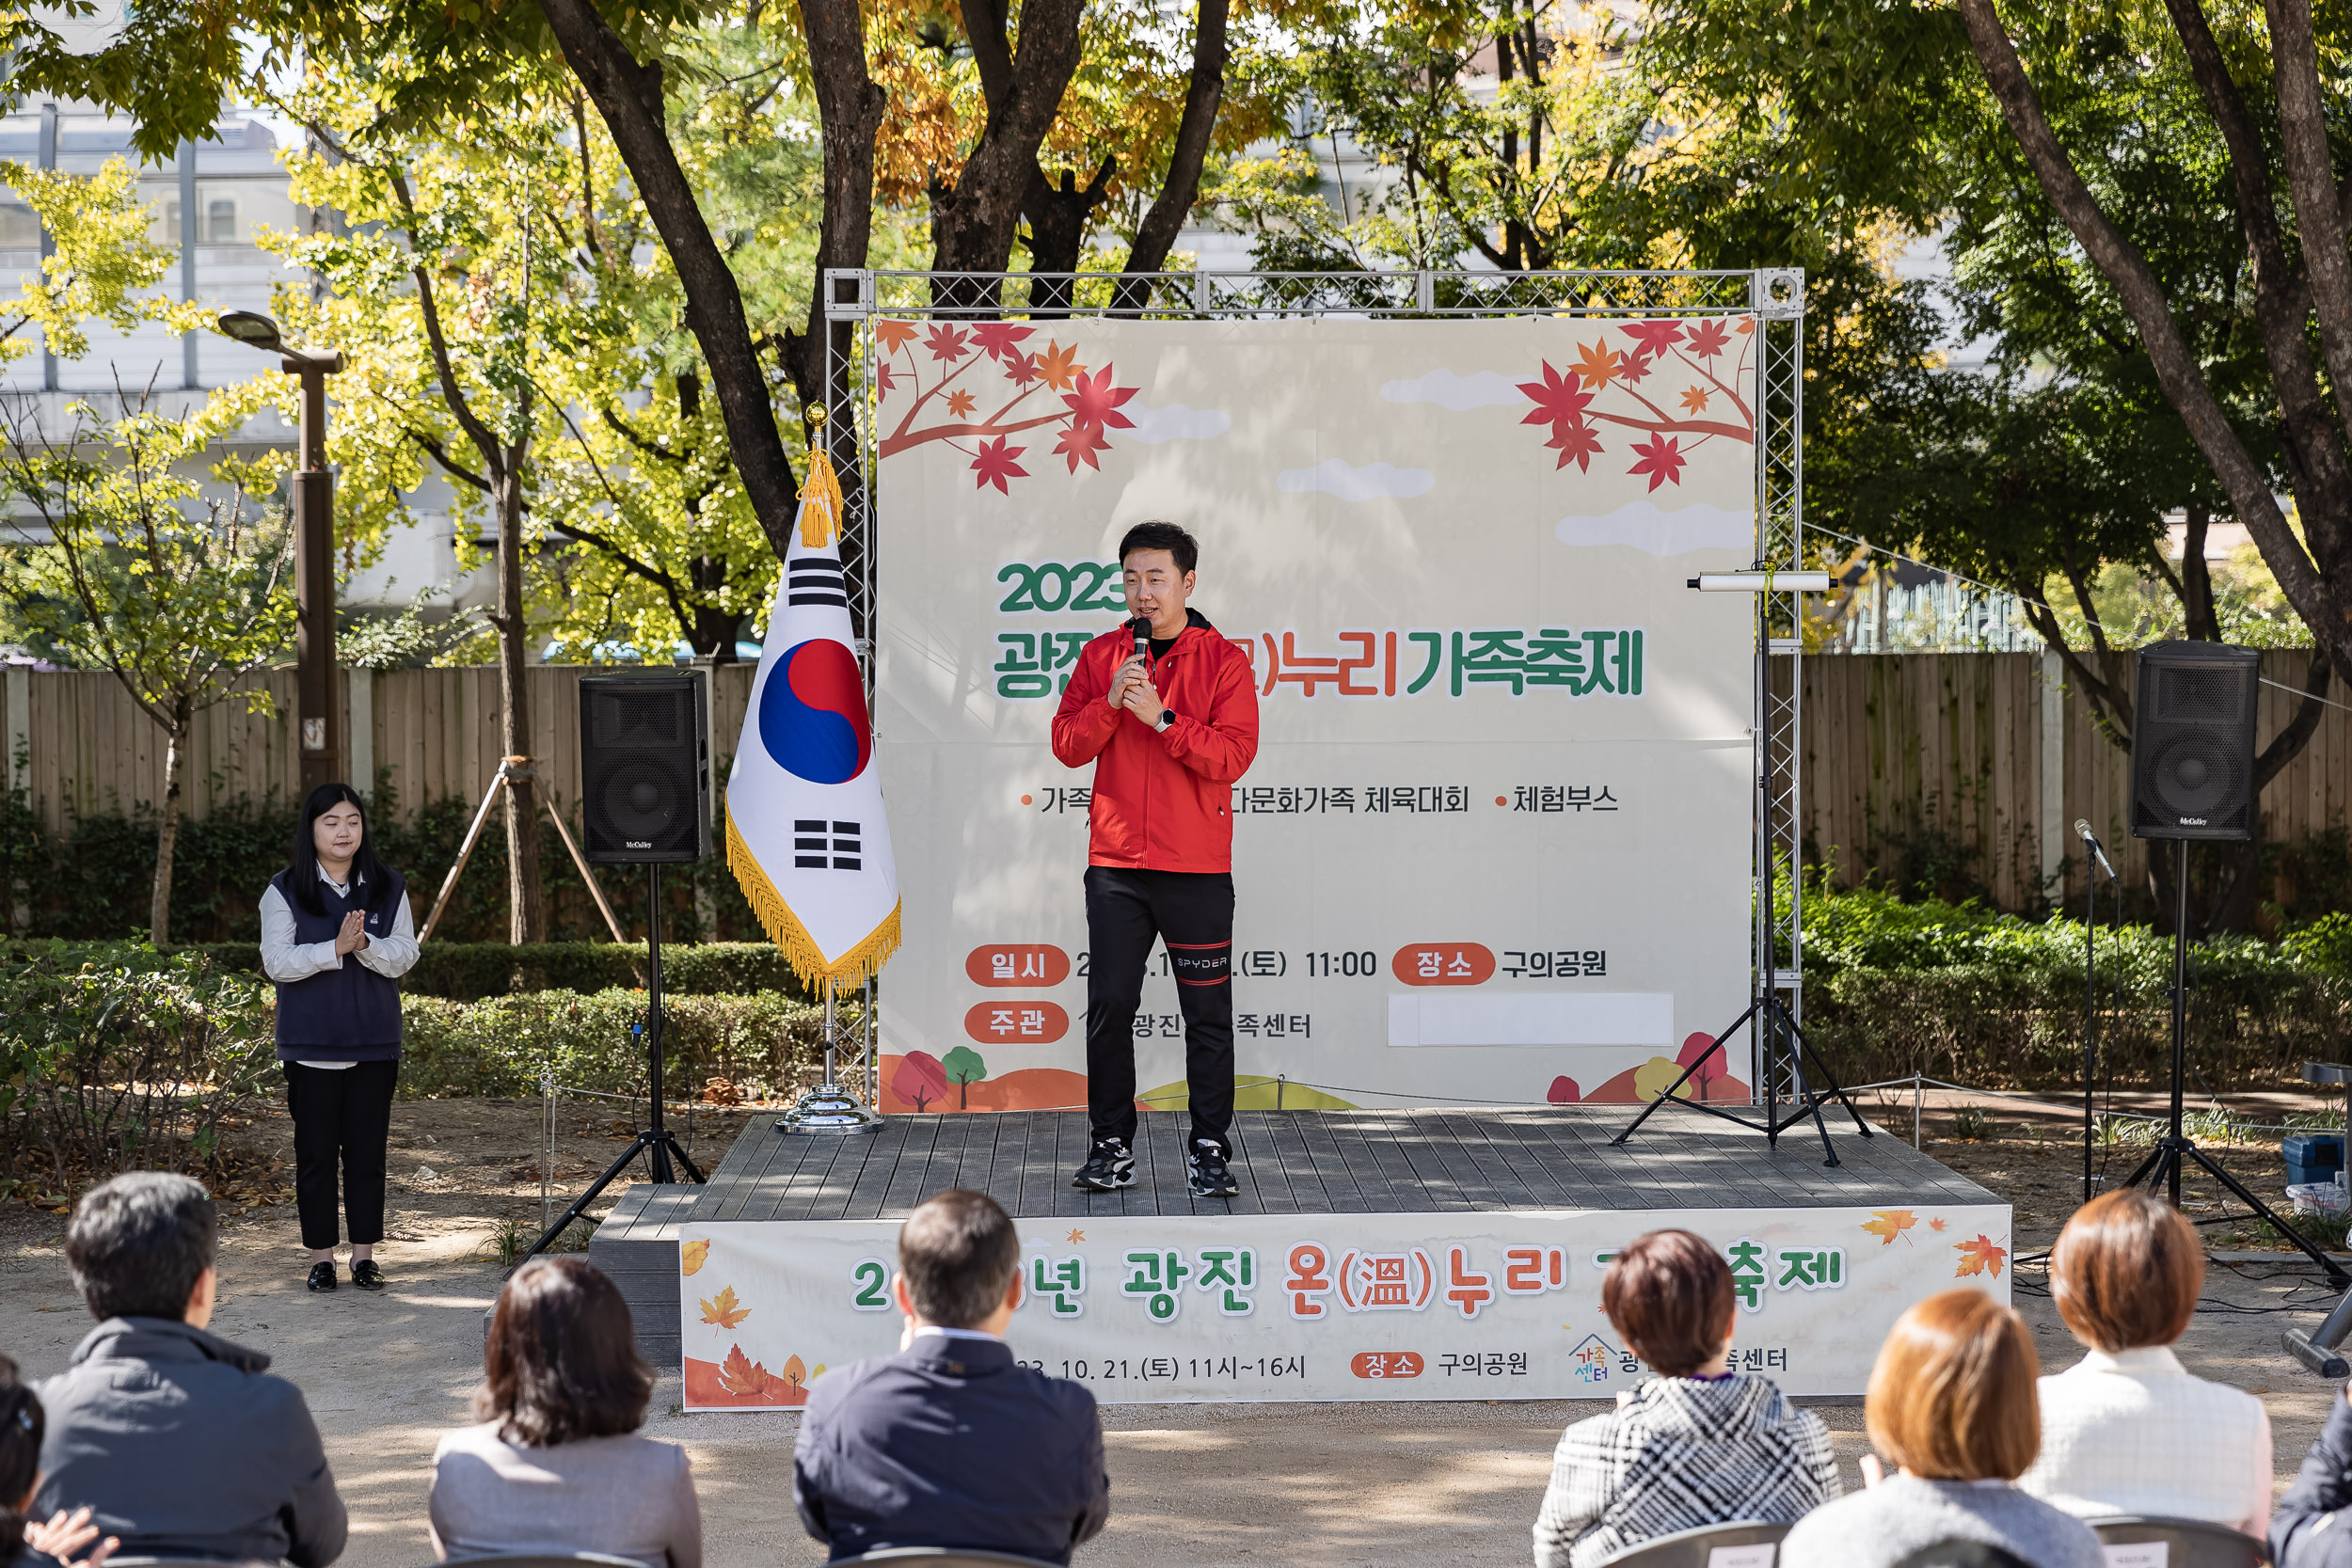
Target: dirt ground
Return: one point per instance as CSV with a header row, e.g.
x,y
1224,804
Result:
x,y
1312,1485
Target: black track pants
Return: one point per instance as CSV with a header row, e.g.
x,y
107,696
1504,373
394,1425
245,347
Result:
x,y
342,1117
1193,913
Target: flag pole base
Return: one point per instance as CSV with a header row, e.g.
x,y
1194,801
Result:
x,y
829,1108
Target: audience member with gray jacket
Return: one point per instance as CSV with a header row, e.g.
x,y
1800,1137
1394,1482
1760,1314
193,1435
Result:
x,y
177,1441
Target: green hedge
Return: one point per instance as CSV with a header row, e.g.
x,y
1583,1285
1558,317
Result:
x,y
467,971
761,1043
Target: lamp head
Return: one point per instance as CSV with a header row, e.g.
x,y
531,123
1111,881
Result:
x,y
251,327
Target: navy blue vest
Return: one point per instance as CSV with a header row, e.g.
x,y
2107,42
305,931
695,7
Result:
x,y
350,1014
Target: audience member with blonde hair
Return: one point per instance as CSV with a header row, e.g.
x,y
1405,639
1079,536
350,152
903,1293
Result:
x,y
1951,1405
2126,1430
1698,1444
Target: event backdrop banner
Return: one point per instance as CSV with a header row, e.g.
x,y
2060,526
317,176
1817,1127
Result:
x,y
1495,845
1175,1309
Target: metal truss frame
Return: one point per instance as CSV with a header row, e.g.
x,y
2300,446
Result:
x,y
857,297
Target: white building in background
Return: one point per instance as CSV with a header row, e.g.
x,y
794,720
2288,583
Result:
x,y
210,200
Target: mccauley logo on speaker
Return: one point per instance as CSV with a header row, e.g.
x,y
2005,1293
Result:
x,y
807,835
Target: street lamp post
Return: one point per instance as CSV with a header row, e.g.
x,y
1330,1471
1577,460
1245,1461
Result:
x,y
319,718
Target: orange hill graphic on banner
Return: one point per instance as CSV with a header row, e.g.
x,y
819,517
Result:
x,y
740,1381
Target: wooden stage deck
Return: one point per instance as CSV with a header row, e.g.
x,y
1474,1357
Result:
x,y
1289,1163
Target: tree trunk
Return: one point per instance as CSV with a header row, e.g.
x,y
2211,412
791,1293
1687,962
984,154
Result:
x,y
628,96
849,113
1058,234
974,221
526,920
168,829
1203,92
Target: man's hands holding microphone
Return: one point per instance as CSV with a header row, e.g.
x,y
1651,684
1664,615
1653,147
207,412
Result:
x,y
1131,689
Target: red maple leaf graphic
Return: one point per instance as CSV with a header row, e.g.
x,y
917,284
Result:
x,y
1578,441
994,463
1707,339
1020,368
885,379
1637,367
960,405
1095,401
1079,443
892,335
1662,459
995,338
1559,399
946,344
1656,337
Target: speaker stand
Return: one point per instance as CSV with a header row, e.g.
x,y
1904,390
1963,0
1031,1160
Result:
x,y
2174,1149
656,1142
829,1107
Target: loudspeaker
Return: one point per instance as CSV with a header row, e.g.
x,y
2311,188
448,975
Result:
x,y
644,758
2193,741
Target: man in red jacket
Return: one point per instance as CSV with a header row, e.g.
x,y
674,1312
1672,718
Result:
x,y
1168,735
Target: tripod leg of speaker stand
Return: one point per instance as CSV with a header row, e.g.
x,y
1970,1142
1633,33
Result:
x,y
2150,1167
1675,1088
2263,1211
1833,1090
2316,1348
1780,1025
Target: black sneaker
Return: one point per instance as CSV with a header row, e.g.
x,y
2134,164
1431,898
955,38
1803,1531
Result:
x,y
365,1274
323,1275
1210,1175
1109,1167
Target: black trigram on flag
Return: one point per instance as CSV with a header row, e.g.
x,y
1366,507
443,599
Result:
x,y
810,840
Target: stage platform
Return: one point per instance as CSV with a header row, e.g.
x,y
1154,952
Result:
x,y
1303,1164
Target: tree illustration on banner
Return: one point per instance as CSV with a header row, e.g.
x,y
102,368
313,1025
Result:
x,y
921,1078
964,1068
1636,389
1023,389
1710,1070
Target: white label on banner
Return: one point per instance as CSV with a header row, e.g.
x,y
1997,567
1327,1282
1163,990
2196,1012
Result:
x,y
1533,1018
2140,1554
1759,1556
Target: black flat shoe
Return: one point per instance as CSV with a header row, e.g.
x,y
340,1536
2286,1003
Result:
x,y
365,1274
322,1275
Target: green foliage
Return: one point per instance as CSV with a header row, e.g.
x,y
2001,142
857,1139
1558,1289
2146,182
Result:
x,y
73,884
2325,945
124,1059
497,1046
102,263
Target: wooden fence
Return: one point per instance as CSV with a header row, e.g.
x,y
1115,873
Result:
x,y
1988,750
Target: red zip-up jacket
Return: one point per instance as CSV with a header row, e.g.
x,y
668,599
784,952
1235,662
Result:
x,y
1163,799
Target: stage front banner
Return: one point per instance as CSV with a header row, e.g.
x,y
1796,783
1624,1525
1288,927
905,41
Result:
x,y
1495,845
1332,1306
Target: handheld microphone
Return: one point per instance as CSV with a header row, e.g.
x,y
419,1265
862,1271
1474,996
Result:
x,y
2083,828
1140,629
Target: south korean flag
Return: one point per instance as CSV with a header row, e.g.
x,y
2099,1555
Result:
x,y
806,836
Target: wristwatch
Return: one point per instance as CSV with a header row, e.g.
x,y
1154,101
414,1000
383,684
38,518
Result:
x,y
1167,717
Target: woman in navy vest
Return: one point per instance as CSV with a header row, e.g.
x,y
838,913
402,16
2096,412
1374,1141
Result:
x,y
338,1021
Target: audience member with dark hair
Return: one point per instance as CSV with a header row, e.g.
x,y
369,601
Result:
x,y
2312,1528
25,1541
1698,1444
178,1442
950,1443
2126,1430
1951,1405
557,1463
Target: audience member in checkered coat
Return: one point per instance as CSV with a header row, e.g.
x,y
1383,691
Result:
x,y
1696,1445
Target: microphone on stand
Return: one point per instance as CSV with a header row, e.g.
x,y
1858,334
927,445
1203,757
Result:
x,y
2083,828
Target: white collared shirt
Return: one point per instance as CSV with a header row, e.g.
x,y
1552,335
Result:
x,y
2133,1432
286,960
947,1333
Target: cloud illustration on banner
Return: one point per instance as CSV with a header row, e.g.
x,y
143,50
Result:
x,y
1456,394
1334,477
1643,526
1176,422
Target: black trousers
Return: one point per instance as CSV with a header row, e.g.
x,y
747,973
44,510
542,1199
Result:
x,y
1193,913
341,1116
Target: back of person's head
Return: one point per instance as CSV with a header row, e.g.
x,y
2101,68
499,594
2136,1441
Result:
x,y
137,1244
1669,1294
1157,534
2127,1271
562,1361
958,1252
1952,1395
22,1424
